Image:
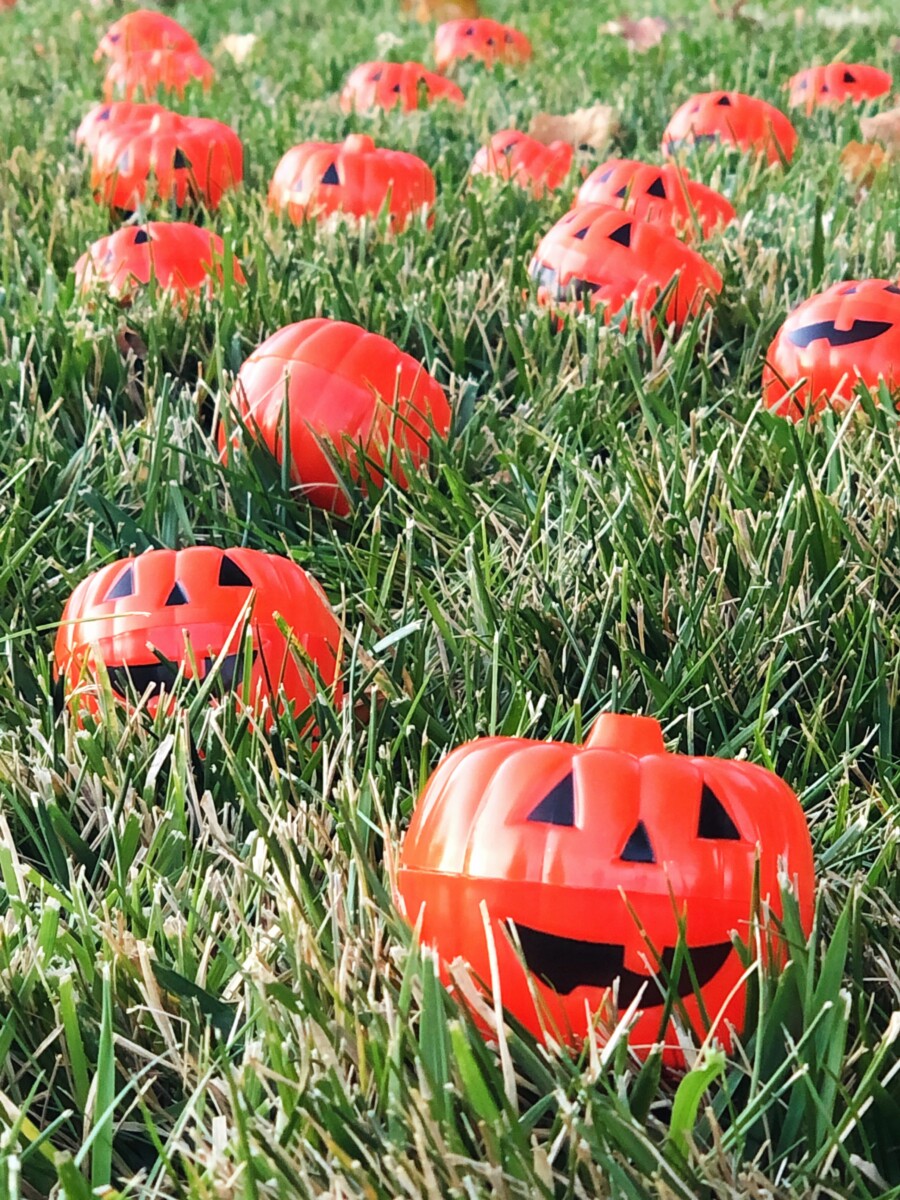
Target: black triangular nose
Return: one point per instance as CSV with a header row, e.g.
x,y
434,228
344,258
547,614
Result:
x,y
638,848
176,596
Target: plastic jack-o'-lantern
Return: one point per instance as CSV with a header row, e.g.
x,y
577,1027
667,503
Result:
x,y
147,618
389,84
103,117
830,343
348,393
838,83
355,177
751,124
531,164
591,857
152,71
664,196
182,259
481,38
598,256
166,156
144,30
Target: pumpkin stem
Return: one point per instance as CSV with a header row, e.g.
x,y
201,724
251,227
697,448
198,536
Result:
x,y
633,735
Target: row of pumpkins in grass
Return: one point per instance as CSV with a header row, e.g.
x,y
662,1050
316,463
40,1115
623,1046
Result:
x,y
578,882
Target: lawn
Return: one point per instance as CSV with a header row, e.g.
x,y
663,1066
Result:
x,y
205,987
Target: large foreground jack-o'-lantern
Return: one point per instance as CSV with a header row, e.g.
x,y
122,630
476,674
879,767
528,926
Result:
x,y
595,858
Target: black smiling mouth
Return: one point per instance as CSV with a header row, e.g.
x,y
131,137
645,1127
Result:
x,y
157,676
572,289
567,963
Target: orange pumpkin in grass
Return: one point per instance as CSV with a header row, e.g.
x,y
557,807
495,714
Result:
x,y
103,117
664,196
591,857
182,259
732,118
152,71
838,83
148,617
524,160
144,30
848,334
479,38
387,85
600,256
316,179
348,393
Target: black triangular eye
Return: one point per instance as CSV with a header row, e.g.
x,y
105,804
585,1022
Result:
x,y
558,806
470,32
180,160
396,87
804,84
638,848
331,175
103,116
376,77
141,237
490,41
824,88
176,596
606,175
657,188
724,101
715,823
892,287
124,586
623,191
622,235
231,575
849,77
582,233
509,147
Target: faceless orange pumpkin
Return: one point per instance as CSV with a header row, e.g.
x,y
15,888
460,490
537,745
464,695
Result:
x,y
664,196
831,342
185,157
182,259
103,117
144,30
355,177
345,389
592,855
388,84
151,71
733,118
145,618
600,256
481,38
838,83
524,160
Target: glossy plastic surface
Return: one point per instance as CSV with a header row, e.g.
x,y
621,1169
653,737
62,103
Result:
x,y
144,30
389,84
753,125
838,83
524,160
482,38
150,72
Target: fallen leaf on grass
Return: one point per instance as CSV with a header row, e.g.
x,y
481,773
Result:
x,y
593,127
238,45
130,342
861,162
884,128
441,10
640,35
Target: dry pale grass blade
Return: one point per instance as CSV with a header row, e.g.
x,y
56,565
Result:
x,y
594,127
641,34
440,10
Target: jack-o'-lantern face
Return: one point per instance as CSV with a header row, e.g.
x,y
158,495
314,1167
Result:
x,y
664,196
143,30
317,179
600,256
154,71
838,83
831,342
594,856
103,117
388,85
479,38
524,160
731,118
149,618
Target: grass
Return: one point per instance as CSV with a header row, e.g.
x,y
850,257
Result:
x,y
204,988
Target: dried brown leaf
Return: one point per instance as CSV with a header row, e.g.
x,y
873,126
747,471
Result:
x,y
441,10
640,35
239,45
860,161
884,128
593,127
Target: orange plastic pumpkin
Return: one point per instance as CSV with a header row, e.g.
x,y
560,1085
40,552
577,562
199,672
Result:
x,y
481,38
388,84
831,342
591,856
184,157
355,177
600,256
151,71
838,83
148,617
144,30
532,165
182,259
664,196
347,390
746,122
103,117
